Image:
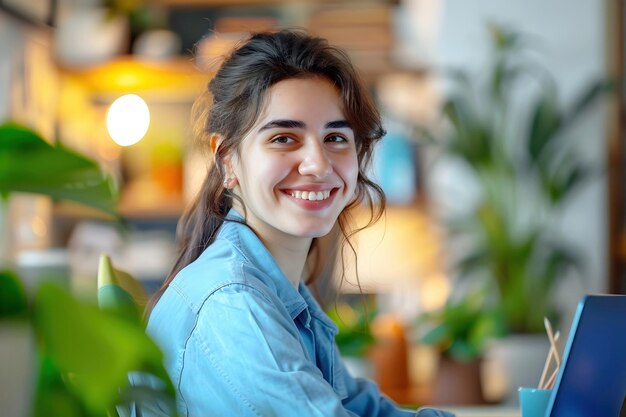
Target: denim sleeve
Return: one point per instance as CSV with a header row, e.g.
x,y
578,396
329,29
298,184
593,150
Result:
x,y
365,400
433,412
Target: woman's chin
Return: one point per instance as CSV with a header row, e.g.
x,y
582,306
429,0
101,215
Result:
x,y
313,231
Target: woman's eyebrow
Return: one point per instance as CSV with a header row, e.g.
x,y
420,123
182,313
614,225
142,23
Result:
x,y
298,124
338,124
283,124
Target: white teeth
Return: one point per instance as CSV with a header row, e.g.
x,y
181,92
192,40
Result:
x,y
311,195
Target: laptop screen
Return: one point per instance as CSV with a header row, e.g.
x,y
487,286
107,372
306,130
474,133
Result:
x,y
592,379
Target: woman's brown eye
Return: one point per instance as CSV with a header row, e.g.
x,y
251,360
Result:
x,y
336,138
282,139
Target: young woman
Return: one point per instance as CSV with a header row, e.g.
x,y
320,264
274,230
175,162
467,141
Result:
x,y
291,130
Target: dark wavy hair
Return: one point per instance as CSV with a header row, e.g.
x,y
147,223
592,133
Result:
x,y
230,106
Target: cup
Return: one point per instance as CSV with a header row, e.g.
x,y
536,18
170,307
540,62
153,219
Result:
x,y
534,401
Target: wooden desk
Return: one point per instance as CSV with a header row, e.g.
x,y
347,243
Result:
x,y
484,411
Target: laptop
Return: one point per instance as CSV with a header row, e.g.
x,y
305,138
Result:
x,y
592,378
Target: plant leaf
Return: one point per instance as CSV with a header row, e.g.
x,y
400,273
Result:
x,y
13,303
437,335
545,124
472,140
93,351
587,98
473,261
503,39
463,351
30,164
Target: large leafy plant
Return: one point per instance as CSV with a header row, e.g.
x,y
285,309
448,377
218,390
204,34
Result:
x,y
521,156
84,354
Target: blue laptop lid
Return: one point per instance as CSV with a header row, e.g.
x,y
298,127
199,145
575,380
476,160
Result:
x,y
592,378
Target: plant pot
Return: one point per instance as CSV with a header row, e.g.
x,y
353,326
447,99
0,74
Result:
x,y
512,362
389,357
17,368
458,383
6,235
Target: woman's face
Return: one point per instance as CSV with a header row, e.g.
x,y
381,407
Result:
x,y
297,167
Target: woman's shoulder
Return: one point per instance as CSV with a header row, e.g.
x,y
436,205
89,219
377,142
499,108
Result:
x,y
220,265
236,261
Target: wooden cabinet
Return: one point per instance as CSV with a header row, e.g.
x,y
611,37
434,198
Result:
x,y
616,151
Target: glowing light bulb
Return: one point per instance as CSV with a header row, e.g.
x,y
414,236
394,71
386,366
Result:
x,y
128,119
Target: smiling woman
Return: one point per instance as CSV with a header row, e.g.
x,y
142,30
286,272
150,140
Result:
x,y
299,150
291,130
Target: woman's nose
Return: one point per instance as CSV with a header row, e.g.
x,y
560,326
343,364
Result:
x,y
315,161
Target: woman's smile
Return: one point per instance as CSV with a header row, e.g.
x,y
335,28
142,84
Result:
x,y
311,195
312,199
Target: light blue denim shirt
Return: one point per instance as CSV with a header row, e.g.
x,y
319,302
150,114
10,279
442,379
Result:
x,y
240,340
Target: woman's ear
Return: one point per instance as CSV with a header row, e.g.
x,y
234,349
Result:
x,y
228,164
230,180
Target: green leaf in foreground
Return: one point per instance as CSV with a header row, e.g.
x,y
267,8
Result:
x,y
93,351
30,164
13,303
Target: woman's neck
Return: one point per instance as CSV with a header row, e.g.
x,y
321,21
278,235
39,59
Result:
x,y
290,252
290,255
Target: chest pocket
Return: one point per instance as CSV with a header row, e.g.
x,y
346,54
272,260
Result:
x,y
320,344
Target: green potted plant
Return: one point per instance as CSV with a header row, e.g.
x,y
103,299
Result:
x,y
521,158
63,356
526,168
459,332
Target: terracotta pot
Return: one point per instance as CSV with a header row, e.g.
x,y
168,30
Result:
x,y
389,357
458,383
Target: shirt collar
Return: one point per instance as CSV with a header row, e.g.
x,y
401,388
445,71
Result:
x,y
315,309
